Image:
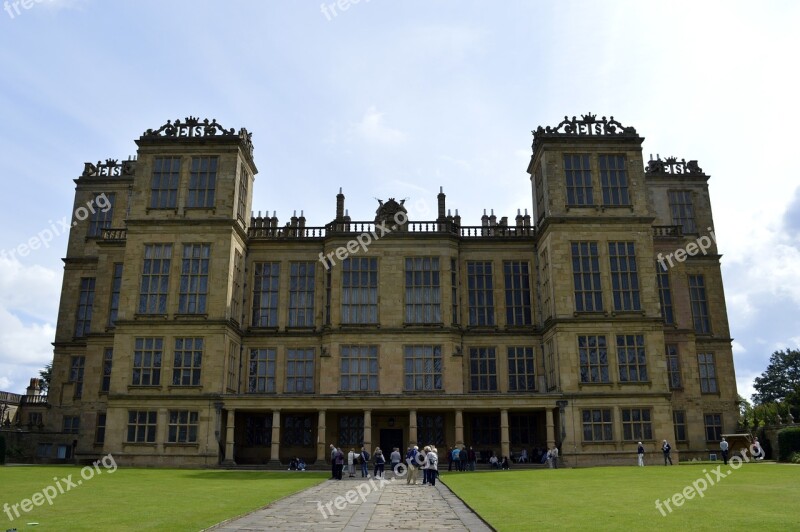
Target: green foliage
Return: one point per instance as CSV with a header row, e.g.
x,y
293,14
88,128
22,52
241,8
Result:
x,y
789,443
795,459
46,374
781,380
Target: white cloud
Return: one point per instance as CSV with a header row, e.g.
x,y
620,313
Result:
x,y
372,128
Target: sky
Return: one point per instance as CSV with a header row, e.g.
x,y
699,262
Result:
x,y
395,99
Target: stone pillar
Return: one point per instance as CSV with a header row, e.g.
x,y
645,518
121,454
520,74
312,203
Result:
x,y
505,444
322,447
228,460
368,430
459,427
412,427
551,433
274,454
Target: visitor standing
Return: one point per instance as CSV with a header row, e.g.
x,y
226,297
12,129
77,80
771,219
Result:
x,y
433,466
380,461
351,462
411,460
364,460
339,463
554,457
666,448
640,453
394,459
333,461
723,446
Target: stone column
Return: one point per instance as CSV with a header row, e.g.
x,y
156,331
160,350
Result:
x,y
228,460
505,444
459,427
322,448
368,430
274,454
551,433
412,427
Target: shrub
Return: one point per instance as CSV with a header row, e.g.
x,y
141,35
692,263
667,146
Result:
x,y
795,459
789,443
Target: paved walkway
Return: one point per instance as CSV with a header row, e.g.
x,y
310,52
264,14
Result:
x,y
357,504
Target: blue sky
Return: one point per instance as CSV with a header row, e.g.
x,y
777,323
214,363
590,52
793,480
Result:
x,y
394,99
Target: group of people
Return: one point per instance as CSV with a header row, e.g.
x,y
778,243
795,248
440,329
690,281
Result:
x,y
427,460
496,463
297,464
362,458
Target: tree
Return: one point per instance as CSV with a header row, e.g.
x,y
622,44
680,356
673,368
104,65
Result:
x,y
46,374
781,380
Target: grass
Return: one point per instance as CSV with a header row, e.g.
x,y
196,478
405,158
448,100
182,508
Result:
x,y
143,499
754,497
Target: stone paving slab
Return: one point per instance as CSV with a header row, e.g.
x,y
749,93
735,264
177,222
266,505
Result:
x,y
363,505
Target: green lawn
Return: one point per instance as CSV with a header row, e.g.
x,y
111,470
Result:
x,y
143,499
754,497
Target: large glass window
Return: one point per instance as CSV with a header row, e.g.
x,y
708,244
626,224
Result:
x,y
301,294
182,426
116,288
624,276
430,430
423,290
360,290
480,290
102,214
673,367
482,369
164,183
518,293
265,294
708,373
636,424
108,359
359,368
614,180
202,182
77,365
298,430
664,293
631,358
155,279
579,180
142,426
261,378
586,277
300,371
147,354
351,430
593,354
423,367
682,209
521,375
679,423
83,316
697,296
194,279
597,425
713,426
187,361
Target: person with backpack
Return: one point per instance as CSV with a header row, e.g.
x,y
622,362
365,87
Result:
x,y
364,460
411,460
339,460
433,465
380,461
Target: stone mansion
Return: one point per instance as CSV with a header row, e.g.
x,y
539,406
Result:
x,y
192,333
